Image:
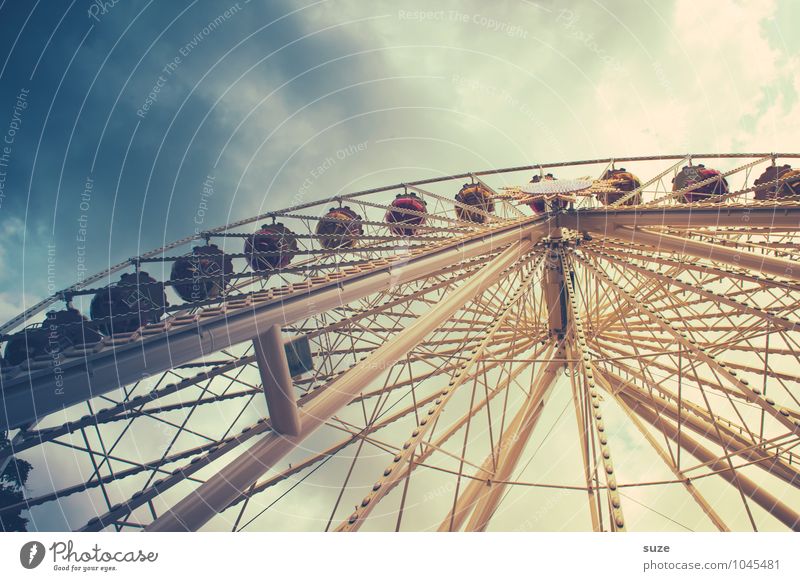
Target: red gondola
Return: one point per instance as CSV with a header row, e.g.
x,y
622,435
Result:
x,y
694,174
401,222
538,205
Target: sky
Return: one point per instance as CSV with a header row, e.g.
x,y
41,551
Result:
x,y
116,116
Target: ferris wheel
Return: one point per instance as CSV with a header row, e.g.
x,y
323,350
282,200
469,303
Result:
x,y
577,345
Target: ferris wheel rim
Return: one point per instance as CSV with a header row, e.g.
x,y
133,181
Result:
x,y
58,295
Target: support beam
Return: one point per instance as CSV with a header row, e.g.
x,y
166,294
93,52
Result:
x,y
583,422
700,422
390,477
602,220
613,386
657,319
277,381
189,469
774,506
220,490
465,503
513,444
110,366
735,256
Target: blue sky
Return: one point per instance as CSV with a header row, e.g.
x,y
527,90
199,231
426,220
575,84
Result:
x,y
280,102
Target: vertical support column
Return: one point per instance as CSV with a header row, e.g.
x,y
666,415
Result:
x,y
553,284
277,381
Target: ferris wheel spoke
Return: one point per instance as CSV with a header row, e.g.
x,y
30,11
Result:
x,y
594,408
181,430
608,312
135,469
673,370
491,461
763,353
106,457
777,290
779,444
392,474
612,388
672,304
416,405
502,388
400,296
129,417
508,346
705,250
130,407
682,440
740,331
379,404
431,447
580,401
748,487
669,279
724,432
465,503
216,447
745,241
511,445
701,356
645,256
200,402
